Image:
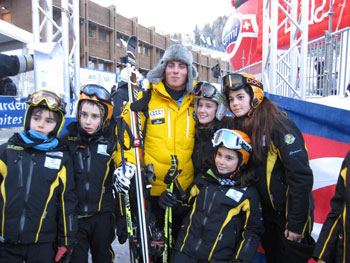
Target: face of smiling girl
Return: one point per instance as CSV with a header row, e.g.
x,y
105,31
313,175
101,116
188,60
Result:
x,y
226,160
206,111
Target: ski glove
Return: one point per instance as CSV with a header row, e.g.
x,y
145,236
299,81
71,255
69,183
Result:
x,y
122,232
167,199
122,179
63,254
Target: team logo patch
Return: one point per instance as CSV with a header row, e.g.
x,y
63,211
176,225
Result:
x,y
156,114
289,138
102,149
158,121
234,194
52,163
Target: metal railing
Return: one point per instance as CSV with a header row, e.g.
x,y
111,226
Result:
x,y
328,70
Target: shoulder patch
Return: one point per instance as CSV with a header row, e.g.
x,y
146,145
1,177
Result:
x,y
234,194
156,114
289,138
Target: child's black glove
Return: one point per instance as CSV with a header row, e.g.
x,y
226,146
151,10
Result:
x,y
167,199
122,232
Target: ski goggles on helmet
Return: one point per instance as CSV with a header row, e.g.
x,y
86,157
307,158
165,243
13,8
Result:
x,y
236,81
205,89
98,91
50,98
230,140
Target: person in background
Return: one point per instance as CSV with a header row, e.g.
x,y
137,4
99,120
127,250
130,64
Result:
x,y
121,95
225,223
281,162
333,244
167,115
92,144
7,87
13,65
37,201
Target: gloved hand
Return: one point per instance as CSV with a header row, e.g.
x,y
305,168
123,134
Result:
x,y
122,232
167,199
63,254
173,172
122,179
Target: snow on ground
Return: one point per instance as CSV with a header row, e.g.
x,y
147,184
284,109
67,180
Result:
x,y
335,101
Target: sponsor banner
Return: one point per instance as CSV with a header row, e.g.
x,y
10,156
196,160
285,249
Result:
x,y
12,111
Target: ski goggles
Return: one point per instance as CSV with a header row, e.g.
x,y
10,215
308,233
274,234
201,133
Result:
x,y
230,140
52,100
99,91
205,89
237,81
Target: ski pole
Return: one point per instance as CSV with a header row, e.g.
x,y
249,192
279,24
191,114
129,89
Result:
x,y
169,179
122,126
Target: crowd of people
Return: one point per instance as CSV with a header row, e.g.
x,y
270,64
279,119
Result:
x,y
237,180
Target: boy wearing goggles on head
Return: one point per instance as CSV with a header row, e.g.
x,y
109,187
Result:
x,y
92,144
282,167
37,199
225,222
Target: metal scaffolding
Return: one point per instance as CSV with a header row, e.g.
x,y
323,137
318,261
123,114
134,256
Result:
x,y
45,29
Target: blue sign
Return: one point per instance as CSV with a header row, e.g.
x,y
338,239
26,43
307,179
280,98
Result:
x,y
12,111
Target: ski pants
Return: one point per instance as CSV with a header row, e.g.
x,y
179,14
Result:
x,y
178,256
96,233
278,249
31,253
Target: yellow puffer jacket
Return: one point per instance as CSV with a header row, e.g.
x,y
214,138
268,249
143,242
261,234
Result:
x,y
170,130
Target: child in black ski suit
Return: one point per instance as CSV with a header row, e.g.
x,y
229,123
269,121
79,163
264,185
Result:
x,y
225,222
92,143
37,199
333,244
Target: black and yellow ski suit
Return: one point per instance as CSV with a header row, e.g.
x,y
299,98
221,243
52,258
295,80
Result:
x,y
224,224
333,244
94,164
37,199
285,188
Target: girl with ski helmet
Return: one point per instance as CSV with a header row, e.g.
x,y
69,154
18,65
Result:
x,y
224,224
37,185
210,107
282,167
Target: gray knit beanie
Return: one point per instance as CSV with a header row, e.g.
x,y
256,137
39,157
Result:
x,y
177,52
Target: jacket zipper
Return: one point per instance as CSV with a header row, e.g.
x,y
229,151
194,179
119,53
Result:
x,y
87,183
206,216
20,170
26,197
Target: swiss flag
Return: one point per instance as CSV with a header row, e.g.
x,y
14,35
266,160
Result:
x,y
247,26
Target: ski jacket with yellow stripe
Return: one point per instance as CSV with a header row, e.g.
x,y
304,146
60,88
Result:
x,y
286,179
37,200
169,130
333,244
94,158
225,223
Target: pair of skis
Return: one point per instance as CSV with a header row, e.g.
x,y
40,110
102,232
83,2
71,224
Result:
x,y
135,123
